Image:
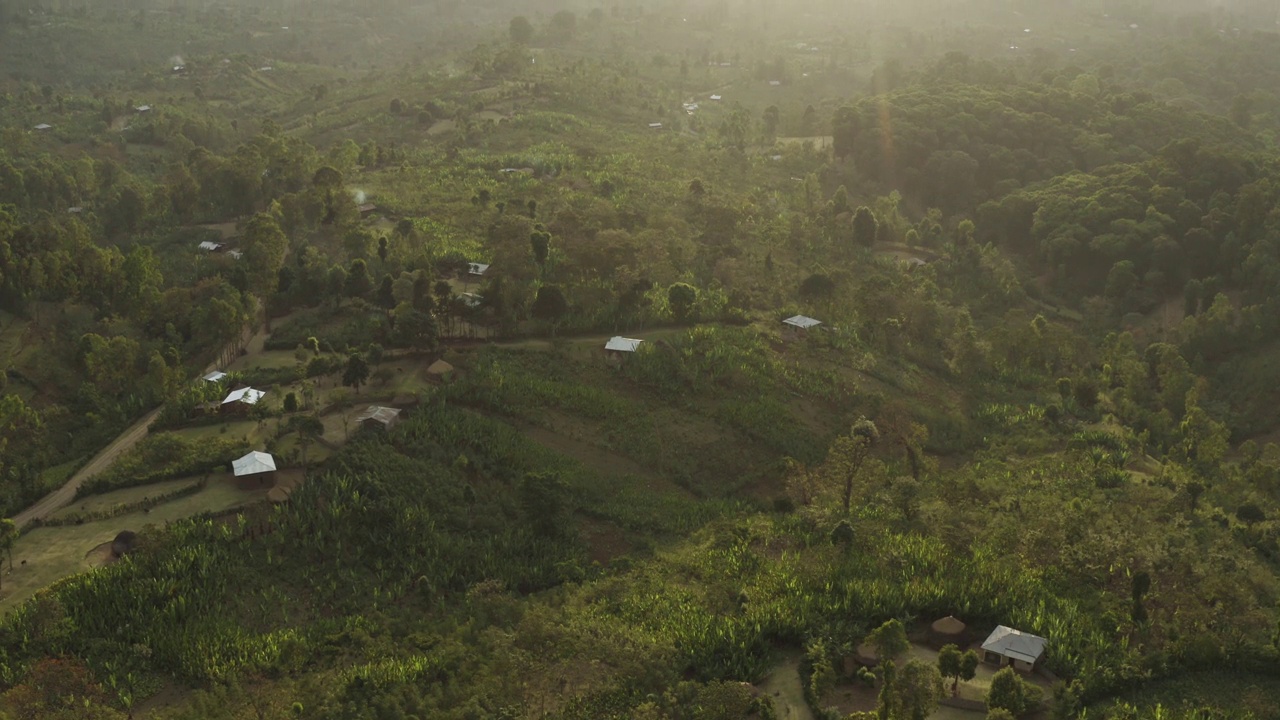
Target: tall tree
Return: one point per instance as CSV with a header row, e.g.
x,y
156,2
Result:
x,y
864,227
681,298
520,30
849,452
358,282
550,305
264,245
918,688
356,372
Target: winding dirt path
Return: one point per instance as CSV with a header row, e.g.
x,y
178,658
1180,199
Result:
x,y
63,496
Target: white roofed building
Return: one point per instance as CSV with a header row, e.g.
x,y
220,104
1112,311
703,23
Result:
x,y
619,347
215,376
382,418
255,463
477,269
243,396
209,246
798,325
1006,646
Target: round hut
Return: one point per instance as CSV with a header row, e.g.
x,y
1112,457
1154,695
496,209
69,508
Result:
x,y
947,631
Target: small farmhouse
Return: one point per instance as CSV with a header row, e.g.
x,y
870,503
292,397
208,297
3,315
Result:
x,y
1006,646
43,126
471,300
235,254
799,325
255,463
215,376
378,418
367,209
243,397
619,347
142,109
210,246
655,126
477,269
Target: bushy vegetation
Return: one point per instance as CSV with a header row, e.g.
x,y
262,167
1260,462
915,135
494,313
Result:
x,y
1040,394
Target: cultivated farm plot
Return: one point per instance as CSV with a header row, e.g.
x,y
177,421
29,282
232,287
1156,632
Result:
x,y
45,555
265,360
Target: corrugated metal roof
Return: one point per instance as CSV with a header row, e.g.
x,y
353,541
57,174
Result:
x,y
802,322
253,464
247,395
215,376
478,268
384,415
620,344
210,246
1015,644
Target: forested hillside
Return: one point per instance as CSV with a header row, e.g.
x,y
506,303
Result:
x,y
1040,241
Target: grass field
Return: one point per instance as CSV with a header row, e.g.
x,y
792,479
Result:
x,y
117,498
45,555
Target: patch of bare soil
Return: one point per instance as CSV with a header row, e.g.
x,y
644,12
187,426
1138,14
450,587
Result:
x,y
605,540
100,555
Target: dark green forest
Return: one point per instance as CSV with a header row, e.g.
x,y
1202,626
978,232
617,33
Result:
x,y
1042,241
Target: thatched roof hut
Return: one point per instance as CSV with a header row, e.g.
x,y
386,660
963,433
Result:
x,y
947,630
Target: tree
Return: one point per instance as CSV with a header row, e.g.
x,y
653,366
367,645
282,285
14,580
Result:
x,y
327,178
337,283
1001,714
845,127
386,296
356,372
309,428
540,244
264,245
818,286
1012,693
890,639
415,329
9,535
550,305
949,664
864,227
917,688
849,452
564,24
969,665
358,283
772,119
520,30
290,404
681,297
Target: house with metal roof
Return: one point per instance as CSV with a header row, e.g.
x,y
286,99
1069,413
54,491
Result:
x,y
215,376
1006,646
477,269
255,463
380,418
43,126
619,347
209,246
244,396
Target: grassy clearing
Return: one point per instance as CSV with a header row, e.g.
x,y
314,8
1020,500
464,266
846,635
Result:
x,y
45,555
127,496
249,430
265,360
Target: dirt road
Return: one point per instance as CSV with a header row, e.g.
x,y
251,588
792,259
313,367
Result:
x,y
63,496
59,498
